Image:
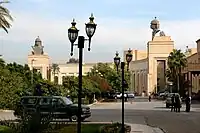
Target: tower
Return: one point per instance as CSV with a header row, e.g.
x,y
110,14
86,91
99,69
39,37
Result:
x,y
39,60
158,50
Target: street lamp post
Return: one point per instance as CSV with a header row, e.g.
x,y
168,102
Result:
x,y
117,63
90,29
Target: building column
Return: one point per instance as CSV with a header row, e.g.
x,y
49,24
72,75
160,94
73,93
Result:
x,y
138,81
198,83
190,83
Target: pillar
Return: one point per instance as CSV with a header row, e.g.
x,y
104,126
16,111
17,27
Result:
x,y
190,83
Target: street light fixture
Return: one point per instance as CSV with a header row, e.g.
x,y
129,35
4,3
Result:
x,y
129,57
90,29
123,82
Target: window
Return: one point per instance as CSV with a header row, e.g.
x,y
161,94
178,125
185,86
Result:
x,y
29,100
67,101
57,101
45,101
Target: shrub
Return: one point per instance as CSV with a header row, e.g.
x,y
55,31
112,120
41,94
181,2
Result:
x,y
114,128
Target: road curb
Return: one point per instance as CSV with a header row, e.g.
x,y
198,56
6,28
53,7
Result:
x,y
92,104
144,128
2,110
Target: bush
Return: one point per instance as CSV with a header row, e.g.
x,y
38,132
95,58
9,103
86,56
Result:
x,y
85,128
5,129
114,128
109,100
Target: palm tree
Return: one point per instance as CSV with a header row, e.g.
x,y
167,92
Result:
x,y
5,17
55,69
176,61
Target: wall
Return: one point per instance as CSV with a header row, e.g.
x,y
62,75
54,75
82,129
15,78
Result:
x,y
72,69
41,61
138,77
158,49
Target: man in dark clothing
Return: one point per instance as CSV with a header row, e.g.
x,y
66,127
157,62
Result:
x,y
187,102
173,103
178,103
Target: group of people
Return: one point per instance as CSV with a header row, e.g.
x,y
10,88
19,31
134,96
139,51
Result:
x,y
176,103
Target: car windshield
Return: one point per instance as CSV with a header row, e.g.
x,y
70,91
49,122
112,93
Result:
x,y
67,101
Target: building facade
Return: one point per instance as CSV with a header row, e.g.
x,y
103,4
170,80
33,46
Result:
x,y
148,67
192,71
40,61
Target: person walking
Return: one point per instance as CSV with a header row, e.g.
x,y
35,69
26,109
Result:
x,y
178,103
149,96
188,103
173,103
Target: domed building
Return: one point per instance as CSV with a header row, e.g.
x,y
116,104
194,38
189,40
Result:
x,y
55,72
38,60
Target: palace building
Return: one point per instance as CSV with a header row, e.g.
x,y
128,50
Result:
x,y
148,66
40,61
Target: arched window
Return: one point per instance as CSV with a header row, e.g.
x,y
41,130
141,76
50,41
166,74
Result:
x,y
56,79
63,79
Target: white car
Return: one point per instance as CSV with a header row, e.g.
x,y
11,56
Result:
x,y
131,95
120,95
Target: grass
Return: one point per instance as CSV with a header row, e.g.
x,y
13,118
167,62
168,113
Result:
x,y
86,128
71,128
4,129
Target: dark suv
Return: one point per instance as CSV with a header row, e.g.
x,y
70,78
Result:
x,y
60,107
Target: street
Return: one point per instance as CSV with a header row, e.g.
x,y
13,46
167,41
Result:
x,y
150,113
146,113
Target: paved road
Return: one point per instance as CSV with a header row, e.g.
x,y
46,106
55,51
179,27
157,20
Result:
x,y
153,114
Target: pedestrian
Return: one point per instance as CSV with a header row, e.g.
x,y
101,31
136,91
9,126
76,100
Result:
x,y
178,103
173,103
149,96
188,103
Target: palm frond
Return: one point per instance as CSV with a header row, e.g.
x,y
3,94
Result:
x,y
5,17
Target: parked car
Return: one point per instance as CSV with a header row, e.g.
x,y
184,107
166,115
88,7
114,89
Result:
x,y
169,99
131,95
126,95
120,95
60,107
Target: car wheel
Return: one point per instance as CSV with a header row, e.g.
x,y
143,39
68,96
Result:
x,y
167,105
73,118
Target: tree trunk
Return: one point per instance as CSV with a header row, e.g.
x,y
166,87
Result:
x,y
178,83
178,80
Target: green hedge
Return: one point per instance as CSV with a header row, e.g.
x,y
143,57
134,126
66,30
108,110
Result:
x,y
4,129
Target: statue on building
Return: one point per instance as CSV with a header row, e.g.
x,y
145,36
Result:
x,y
187,51
38,48
155,26
73,60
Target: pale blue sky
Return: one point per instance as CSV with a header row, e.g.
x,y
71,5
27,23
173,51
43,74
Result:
x,y
120,24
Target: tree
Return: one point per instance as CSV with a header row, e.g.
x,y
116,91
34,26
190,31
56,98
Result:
x,y
176,61
11,88
111,76
55,69
5,17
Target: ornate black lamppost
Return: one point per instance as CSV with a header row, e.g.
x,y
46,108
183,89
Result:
x,y
117,62
90,28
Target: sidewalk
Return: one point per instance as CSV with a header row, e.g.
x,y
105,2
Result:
x,y
139,128
135,128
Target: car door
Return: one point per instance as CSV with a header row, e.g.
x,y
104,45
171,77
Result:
x,y
29,104
45,105
59,108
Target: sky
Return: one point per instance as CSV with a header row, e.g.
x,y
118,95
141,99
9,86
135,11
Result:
x,y
121,24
